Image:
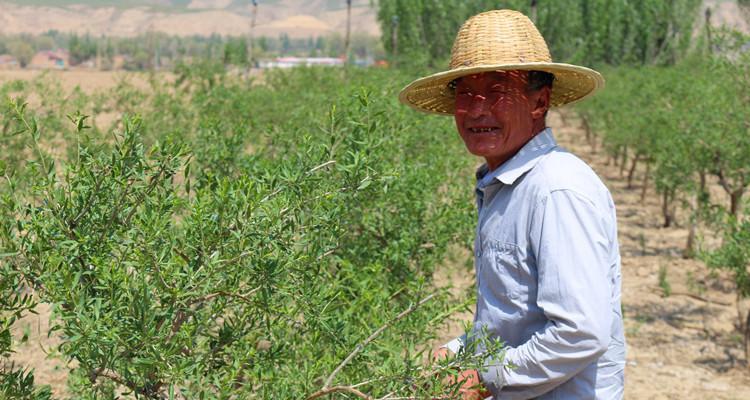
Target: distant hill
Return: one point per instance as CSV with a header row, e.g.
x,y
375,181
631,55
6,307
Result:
x,y
297,18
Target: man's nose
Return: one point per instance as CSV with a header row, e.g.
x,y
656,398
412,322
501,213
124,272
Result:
x,y
477,108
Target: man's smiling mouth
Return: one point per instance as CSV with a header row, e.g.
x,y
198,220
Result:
x,y
483,130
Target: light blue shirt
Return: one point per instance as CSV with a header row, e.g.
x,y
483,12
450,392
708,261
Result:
x,y
548,277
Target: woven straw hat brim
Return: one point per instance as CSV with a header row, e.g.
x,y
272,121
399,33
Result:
x,y
432,95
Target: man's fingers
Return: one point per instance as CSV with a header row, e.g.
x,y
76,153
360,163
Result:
x,y
441,353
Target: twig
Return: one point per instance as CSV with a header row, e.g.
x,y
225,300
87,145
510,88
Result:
x,y
334,389
280,188
111,375
327,253
373,336
182,255
151,186
325,164
274,193
87,205
243,297
183,315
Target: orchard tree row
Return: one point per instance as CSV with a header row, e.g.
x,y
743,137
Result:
x,y
686,128
588,32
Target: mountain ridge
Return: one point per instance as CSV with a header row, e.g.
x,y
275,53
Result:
x,y
296,18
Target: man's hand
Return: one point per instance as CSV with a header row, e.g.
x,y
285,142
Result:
x,y
441,353
471,388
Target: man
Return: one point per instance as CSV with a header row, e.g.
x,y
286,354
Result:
x,y
546,253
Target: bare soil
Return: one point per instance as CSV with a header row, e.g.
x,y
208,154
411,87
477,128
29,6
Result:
x,y
88,80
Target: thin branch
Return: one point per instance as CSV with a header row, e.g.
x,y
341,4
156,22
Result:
x,y
182,316
321,166
280,188
149,189
373,336
89,202
270,195
327,253
182,255
723,181
243,297
334,389
111,375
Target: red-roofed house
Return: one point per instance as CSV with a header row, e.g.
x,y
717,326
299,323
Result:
x,y
59,59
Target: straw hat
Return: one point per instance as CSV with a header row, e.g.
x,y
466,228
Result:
x,y
499,40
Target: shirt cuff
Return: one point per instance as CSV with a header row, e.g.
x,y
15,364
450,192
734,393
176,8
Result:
x,y
456,344
492,375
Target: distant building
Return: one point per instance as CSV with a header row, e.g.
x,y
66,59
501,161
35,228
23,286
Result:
x,y
7,61
59,59
290,62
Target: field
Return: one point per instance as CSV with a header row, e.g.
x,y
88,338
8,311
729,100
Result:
x,y
682,346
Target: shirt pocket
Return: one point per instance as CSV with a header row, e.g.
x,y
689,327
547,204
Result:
x,y
503,270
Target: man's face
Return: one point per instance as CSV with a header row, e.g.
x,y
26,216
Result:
x,y
496,115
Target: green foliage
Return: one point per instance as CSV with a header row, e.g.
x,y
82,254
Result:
x,y
235,52
19,384
651,112
689,123
588,32
664,285
237,239
734,255
21,50
81,48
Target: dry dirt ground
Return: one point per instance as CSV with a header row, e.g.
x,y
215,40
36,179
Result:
x,y
678,347
87,80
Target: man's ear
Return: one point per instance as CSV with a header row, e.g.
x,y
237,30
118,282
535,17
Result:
x,y
542,103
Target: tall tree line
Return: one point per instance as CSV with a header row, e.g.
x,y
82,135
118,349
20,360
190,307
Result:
x,y
580,31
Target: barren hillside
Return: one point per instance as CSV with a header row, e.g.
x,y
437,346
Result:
x,y
297,18
728,13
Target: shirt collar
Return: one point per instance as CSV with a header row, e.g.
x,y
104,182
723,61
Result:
x,y
523,161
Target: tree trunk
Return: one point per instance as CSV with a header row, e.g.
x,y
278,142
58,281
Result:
x,y
623,161
251,57
589,135
707,22
394,39
347,41
645,182
631,172
665,209
735,203
616,155
689,251
747,339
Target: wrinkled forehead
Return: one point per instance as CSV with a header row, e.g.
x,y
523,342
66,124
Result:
x,y
515,77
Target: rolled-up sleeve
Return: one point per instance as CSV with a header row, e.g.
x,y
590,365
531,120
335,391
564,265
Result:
x,y
570,240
